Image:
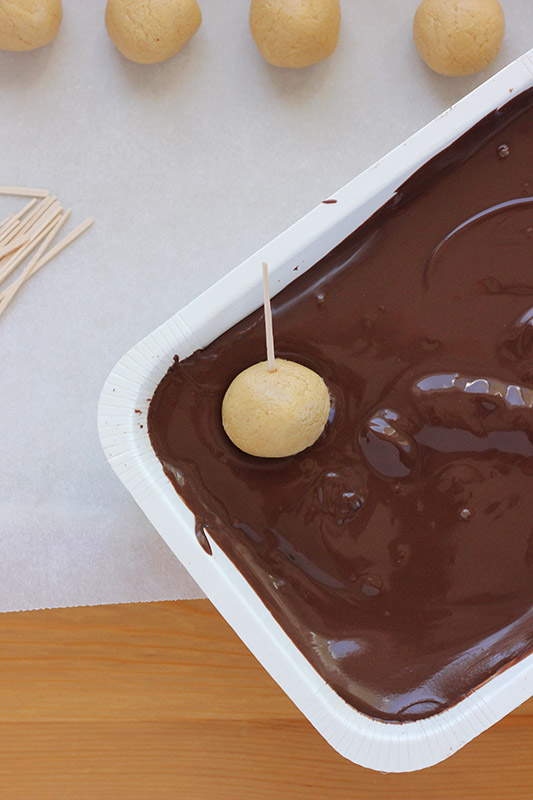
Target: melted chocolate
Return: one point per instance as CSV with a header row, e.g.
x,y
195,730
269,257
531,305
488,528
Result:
x,y
397,552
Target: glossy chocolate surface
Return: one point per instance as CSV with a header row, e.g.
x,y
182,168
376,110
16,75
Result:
x,y
397,552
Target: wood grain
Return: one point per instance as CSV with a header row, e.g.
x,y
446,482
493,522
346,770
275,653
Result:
x,y
161,700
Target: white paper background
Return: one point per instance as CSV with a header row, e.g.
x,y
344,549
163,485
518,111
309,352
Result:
x,y
187,167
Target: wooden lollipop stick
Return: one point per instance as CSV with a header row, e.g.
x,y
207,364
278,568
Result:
x,y
8,294
63,243
22,192
14,244
10,263
268,321
9,230
38,212
6,221
34,227
19,226
20,214
13,220
25,209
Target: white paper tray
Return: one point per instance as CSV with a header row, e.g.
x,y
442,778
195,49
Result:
x,y
385,746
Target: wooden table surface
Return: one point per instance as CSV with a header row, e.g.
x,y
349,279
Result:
x,y
162,700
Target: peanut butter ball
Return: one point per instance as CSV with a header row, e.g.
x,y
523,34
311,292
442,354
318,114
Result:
x,y
29,24
458,37
148,31
295,33
275,414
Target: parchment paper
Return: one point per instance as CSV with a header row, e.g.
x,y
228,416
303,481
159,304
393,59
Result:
x,y
187,167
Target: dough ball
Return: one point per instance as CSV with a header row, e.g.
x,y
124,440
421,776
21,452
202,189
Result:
x,y
148,31
275,414
458,37
295,33
28,24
